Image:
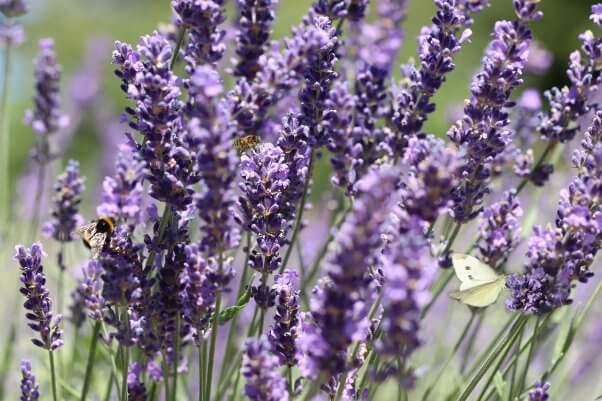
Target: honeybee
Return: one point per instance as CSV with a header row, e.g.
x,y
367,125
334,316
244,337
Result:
x,y
97,234
244,143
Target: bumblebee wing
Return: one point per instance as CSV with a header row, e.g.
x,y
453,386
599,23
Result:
x,y
97,241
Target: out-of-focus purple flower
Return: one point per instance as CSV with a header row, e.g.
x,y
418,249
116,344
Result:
x,y
500,229
13,8
264,180
437,46
90,289
255,28
30,390
154,89
408,270
46,117
37,299
484,131
283,335
77,309
11,34
293,140
561,255
540,392
260,369
201,19
136,388
319,76
65,217
432,178
197,293
571,102
539,59
523,163
340,303
123,192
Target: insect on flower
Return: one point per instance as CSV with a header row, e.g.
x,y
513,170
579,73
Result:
x,y
247,142
96,234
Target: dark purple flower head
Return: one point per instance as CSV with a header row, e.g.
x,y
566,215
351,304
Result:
x,y
340,303
13,8
408,270
264,181
571,102
255,28
65,217
432,178
30,391
283,335
437,46
260,369
37,299
483,132
122,193
136,388
202,20
540,392
500,229
319,76
46,117
197,293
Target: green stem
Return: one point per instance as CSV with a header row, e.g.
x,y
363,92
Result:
x,y
5,144
471,341
90,363
450,357
479,360
549,147
289,373
214,328
179,42
437,291
165,219
523,375
299,218
112,358
126,361
519,323
176,359
164,370
8,352
52,375
202,363
107,396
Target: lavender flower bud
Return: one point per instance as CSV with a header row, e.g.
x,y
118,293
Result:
x,y
260,368
256,19
37,299
46,117
90,289
136,388
65,217
540,392
283,334
500,229
30,391
340,304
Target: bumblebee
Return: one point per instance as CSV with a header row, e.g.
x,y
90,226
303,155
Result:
x,y
96,235
247,142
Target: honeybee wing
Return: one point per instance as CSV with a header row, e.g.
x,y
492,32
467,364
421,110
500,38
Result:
x,y
86,232
92,238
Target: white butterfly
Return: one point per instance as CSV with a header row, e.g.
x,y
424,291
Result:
x,y
480,284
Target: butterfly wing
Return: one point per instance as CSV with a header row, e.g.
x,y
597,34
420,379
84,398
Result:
x,y
471,271
481,295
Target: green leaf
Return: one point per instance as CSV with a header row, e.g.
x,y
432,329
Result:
x,y
501,387
228,314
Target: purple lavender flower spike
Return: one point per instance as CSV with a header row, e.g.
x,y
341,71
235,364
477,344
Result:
x,y
90,289
283,335
46,117
429,185
500,229
30,390
319,77
11,34
13,8
484,131
37,299
437,46
540,392
65,217
201,19
197,293
571,102
409,271
136,388
340,303
561,255
255,24
260,369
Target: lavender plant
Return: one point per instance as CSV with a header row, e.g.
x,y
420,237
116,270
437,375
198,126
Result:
x,y
209,281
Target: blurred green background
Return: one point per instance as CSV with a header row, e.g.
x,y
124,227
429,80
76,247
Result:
x,y
75,23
